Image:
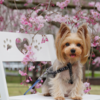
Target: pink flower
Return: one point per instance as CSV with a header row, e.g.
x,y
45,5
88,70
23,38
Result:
x,y
86,84
43,41
41,81
24,51
98,6
22,73
94,44
93,55
31,53
1,1
38,85
91,4
40,26
29,48
46,39
87,90
27,81
44,62
25,4
63,4
48,18
94,13
1,18
24,62
32,67
76,2
30,78
29,1
87,87
18,40
96,61
32,90
96,38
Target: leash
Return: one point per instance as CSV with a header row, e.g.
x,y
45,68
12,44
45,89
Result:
x,y
69,66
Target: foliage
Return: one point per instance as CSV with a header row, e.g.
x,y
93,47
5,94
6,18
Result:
x,y
39,18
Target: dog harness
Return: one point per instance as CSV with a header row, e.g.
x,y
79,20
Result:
x,y
69,66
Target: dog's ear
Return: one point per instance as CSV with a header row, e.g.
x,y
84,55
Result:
x,y
82,30
83,33
63,28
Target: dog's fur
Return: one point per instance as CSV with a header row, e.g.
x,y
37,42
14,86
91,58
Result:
x,y
64,43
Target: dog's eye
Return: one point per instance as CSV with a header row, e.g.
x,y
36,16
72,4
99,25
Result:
x,y
67,44
78,44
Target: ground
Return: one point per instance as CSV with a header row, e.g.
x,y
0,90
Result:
x,y
17,89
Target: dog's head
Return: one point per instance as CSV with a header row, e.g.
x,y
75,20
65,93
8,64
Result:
x,y
72,46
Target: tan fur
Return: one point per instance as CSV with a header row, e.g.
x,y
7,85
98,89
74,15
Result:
x,y
59,85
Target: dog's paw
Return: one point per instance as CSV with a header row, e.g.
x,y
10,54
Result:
x,y
76,98
59,98
47,94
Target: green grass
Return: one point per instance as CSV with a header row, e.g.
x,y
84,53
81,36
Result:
x,y
89,74
95,89
14,79
17,89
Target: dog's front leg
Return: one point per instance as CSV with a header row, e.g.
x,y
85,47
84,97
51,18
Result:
x,y
76,92
56,88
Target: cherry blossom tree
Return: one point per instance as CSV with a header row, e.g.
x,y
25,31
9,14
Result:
x,y
44,17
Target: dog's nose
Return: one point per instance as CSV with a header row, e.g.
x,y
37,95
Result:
x,y
72,50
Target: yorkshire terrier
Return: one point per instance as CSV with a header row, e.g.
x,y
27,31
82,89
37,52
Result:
x,y
73,48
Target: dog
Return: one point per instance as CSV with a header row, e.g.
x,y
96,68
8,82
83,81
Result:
x,y
73,48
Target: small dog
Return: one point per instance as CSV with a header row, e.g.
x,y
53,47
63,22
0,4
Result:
x,y
73,48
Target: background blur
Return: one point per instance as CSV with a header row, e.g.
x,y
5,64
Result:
x,y
10,15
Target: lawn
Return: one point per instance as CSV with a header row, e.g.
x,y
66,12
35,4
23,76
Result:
x,y
17,89
89,74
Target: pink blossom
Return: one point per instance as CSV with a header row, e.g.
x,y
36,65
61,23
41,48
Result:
x,y
24,62
76,2
98,6
96,38
1,1
94,13
40,26
27,81
86,84
25,4
23,18
46,39
94,44
33,59
87,90
24,51
63,4
44,62
32,67
29,1
31,53
22,73
93,55
91,4
30,78
18,40
1,18
41,81
96,61
38,85
32,90
43,41
29,48
87,87
48,18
